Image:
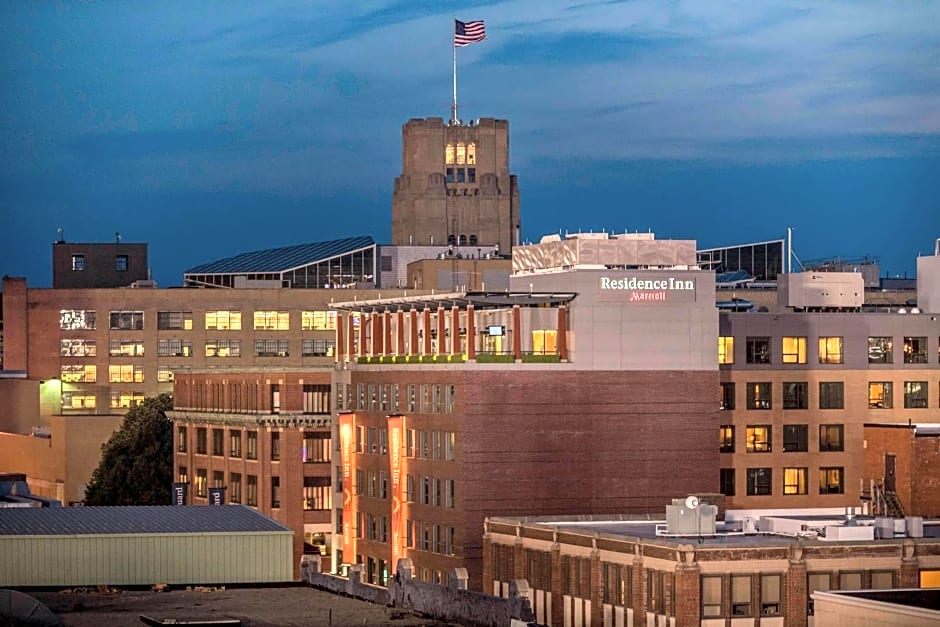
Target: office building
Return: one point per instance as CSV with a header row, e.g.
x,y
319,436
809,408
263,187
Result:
x,y
97,265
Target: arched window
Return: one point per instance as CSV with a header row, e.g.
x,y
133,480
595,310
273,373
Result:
x,y
451,240
449,154
473,239
471,153
461,153
463,239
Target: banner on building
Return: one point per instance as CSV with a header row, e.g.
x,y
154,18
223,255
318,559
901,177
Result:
x,y
395,436
180,493
347,434
216,496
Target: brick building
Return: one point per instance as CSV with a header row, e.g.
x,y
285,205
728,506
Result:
x,y
95,265
903,460
263,436
617,572
571,392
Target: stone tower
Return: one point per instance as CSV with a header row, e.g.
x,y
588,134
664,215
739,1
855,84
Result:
x,y
455,186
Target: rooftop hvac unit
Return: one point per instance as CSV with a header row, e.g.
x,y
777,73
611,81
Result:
x,y
689,517
915,526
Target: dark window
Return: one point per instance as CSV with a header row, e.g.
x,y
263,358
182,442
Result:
x,y
275,446
181,441
471,175
830,480
758,350
758,395
831,395
726,481
831,438
251,490
78,263
726,441
218,442
758,481
915,350
795,438
201,441
727,396
461,178
235,442
473,239
120,263
451,240
251,439
796,395
915,394
449,173
275,492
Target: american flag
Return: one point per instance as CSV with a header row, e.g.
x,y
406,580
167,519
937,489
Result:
x,y
466,33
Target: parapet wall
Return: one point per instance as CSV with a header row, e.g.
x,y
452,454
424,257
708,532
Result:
x,y
452,603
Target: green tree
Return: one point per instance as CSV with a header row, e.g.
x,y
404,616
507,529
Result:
x,y
136,465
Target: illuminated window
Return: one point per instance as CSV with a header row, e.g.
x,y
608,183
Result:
x,y
78,263
70,319
125,374
794,350
915,395
758,439
78,348
831,438
175,348
78,400
318,320
796,395
758,350
318,495
449,154
224,320
202,480
831,481
725,350
830,350
758,481
880,395
461,153
915,350
831,395
880,350
272,320
127,321
164,375
126,348
471,153
223,348
316,398
544,342
235,443
181,439
175,320
122,400
726,439
78,373
758,395
794,480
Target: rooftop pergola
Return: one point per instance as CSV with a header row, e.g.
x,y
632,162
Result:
x,y
458,300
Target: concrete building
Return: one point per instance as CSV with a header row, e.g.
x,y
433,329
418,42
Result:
x,y
583,388
97,265
262,436
616,572
455,187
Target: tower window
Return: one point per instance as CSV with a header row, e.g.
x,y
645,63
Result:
x,y
471,175
449,173
471,153
449,154
78,263
473,239
461,175
463,239
461,153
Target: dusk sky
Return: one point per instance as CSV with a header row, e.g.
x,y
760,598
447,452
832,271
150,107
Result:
x,y
211,129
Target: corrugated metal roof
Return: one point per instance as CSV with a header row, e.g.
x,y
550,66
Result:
x,y
280,259
158,519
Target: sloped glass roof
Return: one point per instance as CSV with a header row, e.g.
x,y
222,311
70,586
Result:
x,y
285,258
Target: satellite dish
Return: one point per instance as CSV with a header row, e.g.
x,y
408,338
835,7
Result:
x,y
691,502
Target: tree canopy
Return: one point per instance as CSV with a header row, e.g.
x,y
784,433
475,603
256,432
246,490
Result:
x,y
136,465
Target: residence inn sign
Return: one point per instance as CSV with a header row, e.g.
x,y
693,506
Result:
x,y
643,290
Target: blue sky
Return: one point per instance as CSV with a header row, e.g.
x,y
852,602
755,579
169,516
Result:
x,y
212,129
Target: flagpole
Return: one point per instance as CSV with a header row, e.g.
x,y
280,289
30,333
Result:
x,y
453,110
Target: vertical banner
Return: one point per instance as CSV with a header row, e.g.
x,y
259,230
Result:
x,y
395,435
216,496
347,426
180,493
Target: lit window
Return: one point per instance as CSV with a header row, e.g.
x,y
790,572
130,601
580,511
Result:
x,y
70,319
125,374
272,320
78,373
794,480
725,350
471,153
726,439
915,350
78,400
830,350
78,348
461,153
318,320
175,348
122,400
224,320
758,439
78,263
794,350
202,480
880,395
831,481
223,348
915,395
449,151
126,348
880,350
544,342
759,395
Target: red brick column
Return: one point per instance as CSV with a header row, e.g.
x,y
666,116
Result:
x,y
413,347
687,599
910,571
471,335
455,331
518,559
563,333
516,332
596,584
387,325
340,337
441,331
400,343
376,333
351,339
639,592
558,603
363,324
487,564
796,594
427,332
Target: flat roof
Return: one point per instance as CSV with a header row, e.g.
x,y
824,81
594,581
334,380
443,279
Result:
x,y
447,300
153,519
